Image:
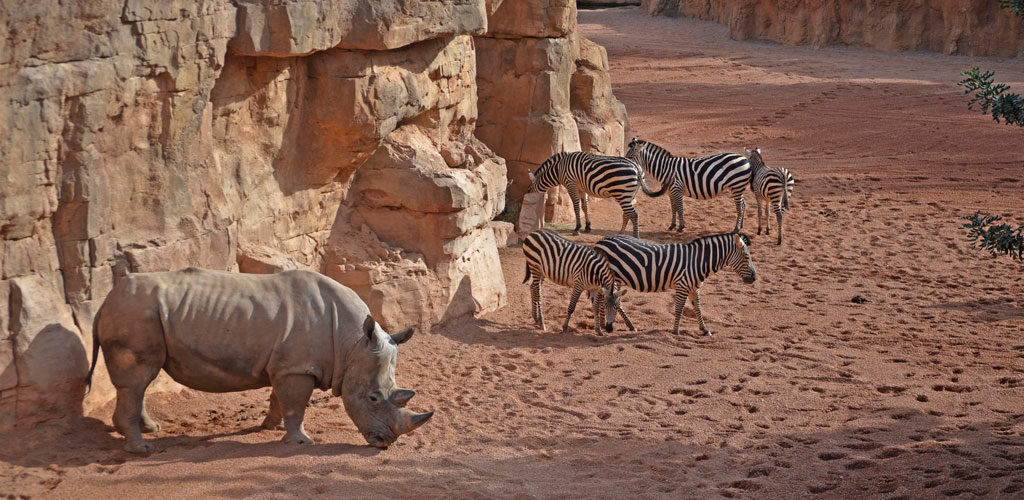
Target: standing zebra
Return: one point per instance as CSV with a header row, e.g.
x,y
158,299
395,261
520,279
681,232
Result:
x,y
549,255
773,185
601,176
699,178
651,267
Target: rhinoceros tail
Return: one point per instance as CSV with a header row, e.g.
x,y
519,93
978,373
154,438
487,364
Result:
x,y
95,349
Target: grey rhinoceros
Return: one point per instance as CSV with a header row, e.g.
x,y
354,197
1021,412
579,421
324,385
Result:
x,y
222,332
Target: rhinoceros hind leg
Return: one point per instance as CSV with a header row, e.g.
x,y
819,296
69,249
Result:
x,y
293,393
273,420
128,417
131,370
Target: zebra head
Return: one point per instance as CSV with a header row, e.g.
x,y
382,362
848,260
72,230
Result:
x,y
546,175
645,154
739,258
754,157
611,305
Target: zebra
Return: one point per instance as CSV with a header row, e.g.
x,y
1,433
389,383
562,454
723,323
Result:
x,y
767,185
699,178
550,255
600,176
682,267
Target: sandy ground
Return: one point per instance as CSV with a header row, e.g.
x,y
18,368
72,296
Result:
x,y
800,392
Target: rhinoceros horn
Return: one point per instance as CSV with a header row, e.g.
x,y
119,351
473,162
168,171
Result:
x,y
409,421
401,396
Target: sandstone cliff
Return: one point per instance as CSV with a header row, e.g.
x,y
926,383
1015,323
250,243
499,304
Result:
x,y
259,135
962,27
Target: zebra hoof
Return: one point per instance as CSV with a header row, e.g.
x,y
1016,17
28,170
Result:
x,y
673,226
586,229
576,232
679,229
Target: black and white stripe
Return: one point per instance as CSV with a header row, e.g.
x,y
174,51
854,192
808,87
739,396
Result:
x,y
773,186
601,176
652,267
549,255
699,178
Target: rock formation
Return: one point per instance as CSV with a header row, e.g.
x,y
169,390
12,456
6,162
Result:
x,y
543,89
261,135
963,27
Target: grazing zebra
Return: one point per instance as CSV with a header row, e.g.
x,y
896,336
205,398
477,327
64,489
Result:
x,y
773,185
699,178
589,174
651,267
549,255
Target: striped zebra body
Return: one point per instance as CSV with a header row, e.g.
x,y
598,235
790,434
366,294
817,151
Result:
x,y
577,266
698,178
681,267
585,174
772,186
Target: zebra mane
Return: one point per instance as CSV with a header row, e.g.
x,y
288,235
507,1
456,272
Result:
x,y
755,159
711,237
653,148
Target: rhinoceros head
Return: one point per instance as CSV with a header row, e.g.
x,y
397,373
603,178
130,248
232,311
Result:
x,y
371,398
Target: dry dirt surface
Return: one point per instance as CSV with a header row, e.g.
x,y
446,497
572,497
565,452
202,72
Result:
x,y
800,392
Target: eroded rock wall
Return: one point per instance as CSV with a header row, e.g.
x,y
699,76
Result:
x,y
962,27
258,135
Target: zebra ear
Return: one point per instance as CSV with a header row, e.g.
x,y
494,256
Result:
x,y
758,150
532,177
620,292
746,151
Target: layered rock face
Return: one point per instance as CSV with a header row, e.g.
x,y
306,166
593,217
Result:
x,y
543,89
963,27
255,135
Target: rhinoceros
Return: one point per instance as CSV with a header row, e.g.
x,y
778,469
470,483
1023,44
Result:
x,y
222,332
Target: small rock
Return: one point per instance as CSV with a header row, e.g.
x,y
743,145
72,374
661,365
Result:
x,y
857,299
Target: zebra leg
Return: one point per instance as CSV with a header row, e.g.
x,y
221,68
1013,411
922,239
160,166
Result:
x,y
758,200
573,299
575,197
676,197
695,298
586,211
629,212
678,194
538,312
680,299
778,216
629,324
741,205
598,302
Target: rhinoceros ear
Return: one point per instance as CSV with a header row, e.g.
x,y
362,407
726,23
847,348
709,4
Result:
x,y
369,327
403,335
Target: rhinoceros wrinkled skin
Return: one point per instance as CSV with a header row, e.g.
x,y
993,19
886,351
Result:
x,y
221,332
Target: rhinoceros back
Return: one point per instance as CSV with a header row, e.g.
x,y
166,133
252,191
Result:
x,y
228,331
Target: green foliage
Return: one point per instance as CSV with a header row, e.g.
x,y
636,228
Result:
x,y
1009,107
985,234
1014,5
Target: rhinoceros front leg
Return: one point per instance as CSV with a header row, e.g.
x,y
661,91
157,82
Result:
x,y
293,393
273,420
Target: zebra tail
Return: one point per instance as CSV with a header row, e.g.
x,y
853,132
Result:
x,y
649,192
527,278
785,193
95,349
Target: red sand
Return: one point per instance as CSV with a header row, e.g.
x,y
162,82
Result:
x,y
800,392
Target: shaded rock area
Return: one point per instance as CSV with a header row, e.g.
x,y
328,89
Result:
x,y
264,135
961,27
